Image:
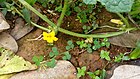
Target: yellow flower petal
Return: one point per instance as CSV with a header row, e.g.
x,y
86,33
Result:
x,y
50,40
55,39
116,21
52,33
49,37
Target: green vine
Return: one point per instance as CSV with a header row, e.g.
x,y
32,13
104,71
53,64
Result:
x,y
58,28
124,19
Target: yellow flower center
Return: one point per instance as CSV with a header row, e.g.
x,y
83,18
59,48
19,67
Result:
x,y
49,37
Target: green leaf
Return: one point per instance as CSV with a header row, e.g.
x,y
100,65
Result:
x,y
126,58
38,59
69,42
103,74
89,50
136,52
91,74
41,58
67,56
97,77
118,5
77,9
54,49
35,58
2,0
105,54
68,47
90,1
97,72
81,72
51,54
118,59
52,63
31,2
26,15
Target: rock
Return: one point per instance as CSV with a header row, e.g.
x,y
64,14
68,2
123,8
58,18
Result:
x,y
126,39
62,70
126,72
20,29
3,24
8,42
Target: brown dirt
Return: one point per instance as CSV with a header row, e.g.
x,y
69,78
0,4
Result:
x,y
80,57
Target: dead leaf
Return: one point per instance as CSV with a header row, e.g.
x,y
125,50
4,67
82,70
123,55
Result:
x,y
10,63
8,42
16,64
62,70
126,40
3,24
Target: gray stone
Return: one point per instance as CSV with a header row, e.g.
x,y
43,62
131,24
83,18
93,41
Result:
x,y
3,24
62,70
126,72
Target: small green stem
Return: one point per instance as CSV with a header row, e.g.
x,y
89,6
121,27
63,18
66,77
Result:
x,y
63,13
37,13
103,35
41,27
124,19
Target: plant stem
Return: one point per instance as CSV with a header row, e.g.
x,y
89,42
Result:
x,y
41,27
63,13
103,35
37,13
124,19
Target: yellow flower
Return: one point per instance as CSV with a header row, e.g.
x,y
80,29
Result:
x,y
116,21
49,37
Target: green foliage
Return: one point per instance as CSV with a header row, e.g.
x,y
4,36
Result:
x,y
37,59
94,75
103,74
81,72
120,58
90,1
89,49
67,56
59,9
82,44
8,7
31,2
117,5
52,63
2,0
54,52
136,52
26,15
45,3
105,55
86,28
135,12
105,42
114,5
98,44
70,45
